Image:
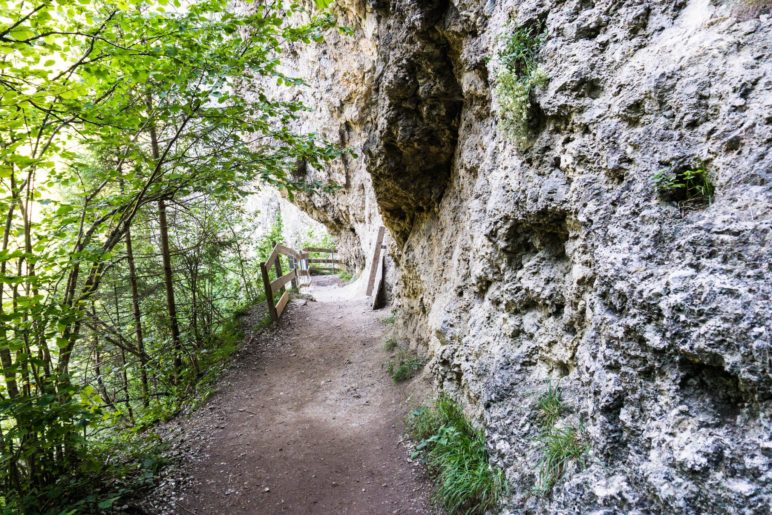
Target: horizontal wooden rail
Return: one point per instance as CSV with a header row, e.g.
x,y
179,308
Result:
x,y
327,261
284,279
288,251
318,249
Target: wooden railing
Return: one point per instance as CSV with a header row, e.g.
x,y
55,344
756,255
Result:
x,y
329,260
301,265
273,287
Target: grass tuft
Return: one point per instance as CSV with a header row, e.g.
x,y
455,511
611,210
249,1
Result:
x,y
550,406
404,366
392,318
561,447
390,345
457,454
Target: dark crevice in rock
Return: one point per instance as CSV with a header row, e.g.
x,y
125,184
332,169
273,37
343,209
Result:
x,y
709,389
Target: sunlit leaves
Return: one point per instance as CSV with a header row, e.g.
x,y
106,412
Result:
x,y
82,83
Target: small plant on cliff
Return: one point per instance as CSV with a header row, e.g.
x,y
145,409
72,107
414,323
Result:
x,y
390,345
517,76
550,406
561,447
689,186
457,454
392,318
405,366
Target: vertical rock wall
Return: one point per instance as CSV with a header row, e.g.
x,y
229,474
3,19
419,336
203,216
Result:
x,y
516,268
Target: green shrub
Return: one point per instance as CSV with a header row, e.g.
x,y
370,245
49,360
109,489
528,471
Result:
x,y
405,366
692,185
456,453
517,76
345,276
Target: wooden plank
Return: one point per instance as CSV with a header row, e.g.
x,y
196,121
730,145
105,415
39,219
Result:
x,y
317,249
327,261
272,258
377,299
282,303
376,260
277,263
281,281
324,271
268,293
283,249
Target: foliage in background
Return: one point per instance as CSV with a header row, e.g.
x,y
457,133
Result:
x,y
125,155
456,453
516,78
319,239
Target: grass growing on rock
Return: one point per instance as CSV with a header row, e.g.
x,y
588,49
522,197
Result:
x,y
550,406
456,453
392,318
560,445
405,365
390,345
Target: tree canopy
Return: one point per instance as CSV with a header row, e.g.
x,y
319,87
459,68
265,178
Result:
x,y
129,132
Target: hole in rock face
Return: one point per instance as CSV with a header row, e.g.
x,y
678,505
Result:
x,y
711,389
547,234
592,88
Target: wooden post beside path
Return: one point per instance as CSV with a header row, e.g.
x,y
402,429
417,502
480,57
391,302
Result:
x,y
376,260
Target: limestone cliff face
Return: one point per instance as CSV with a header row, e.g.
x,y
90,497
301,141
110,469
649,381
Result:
x,y
557,263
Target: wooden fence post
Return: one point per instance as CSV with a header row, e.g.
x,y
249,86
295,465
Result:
x,y
277,263
294,266
376,261
269,293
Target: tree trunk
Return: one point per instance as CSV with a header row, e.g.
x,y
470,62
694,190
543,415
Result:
x,y
137,320
167,264
124,374
98,367
169,284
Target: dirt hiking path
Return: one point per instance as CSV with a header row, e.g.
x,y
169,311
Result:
x,y
306,421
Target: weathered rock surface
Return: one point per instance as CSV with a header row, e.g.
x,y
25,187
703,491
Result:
x,y
558,263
